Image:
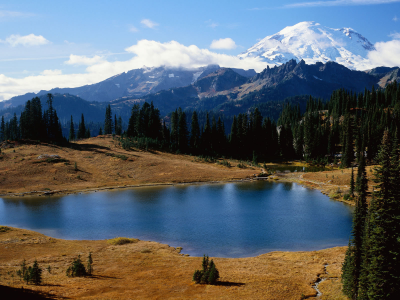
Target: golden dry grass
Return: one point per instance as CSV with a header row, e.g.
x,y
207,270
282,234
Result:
x,y
99,165
149,270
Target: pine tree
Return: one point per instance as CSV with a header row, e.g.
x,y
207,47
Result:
x,y
81,128
384,229
35,274
108,125
71,130
195,133
352,183
89,267
351,269
182,132
2,129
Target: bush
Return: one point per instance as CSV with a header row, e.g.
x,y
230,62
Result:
x,y
224,163
90,264
30,274
4,228
347,197
241,166
209,273
121,241
77,269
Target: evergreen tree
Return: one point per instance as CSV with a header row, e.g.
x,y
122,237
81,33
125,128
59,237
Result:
x,y
352,183
108,125
2,129
81,128
195,133
71,130
351,269
35,274
89,267
132,126
182,132
384,227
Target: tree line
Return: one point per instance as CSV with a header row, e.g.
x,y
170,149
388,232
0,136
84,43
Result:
x,y
325,131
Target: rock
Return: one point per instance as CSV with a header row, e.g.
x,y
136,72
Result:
x,y
41,156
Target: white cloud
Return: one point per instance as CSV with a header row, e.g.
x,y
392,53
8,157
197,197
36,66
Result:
x,y
387,54
395,18
145,53
149,23
211,23
395,35
83,60
7,14
339,3
26,40
51,72
226,43
133,29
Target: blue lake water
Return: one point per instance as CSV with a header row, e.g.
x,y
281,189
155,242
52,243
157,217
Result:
x,y
228,220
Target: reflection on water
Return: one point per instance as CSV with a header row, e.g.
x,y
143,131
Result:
x,y
231,220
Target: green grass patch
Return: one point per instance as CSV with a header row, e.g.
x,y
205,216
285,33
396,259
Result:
x,y
121,241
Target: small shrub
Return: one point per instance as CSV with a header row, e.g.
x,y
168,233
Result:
x,y
75,166
334,195
90,264
241,166
145,250
224,163
30,274
209,273
4,228
76,269
121,241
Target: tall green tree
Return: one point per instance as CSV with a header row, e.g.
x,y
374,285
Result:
x,y
71,130
384,226
195,133
81,128
353,262
108,124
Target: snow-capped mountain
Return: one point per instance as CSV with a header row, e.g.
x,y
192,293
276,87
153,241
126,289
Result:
x,y
313,43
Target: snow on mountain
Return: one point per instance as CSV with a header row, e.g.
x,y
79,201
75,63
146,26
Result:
x,y
313,43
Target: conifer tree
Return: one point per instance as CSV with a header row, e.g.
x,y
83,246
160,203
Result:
x,y
2,129
384,227
352,183
182,132
81,128
195,133
71,130
35,274
89,267
108,125
353,262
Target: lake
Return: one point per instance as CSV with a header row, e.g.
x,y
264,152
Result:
x,y
227,220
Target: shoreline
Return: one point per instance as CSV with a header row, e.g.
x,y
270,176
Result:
x,y
117,187
287,177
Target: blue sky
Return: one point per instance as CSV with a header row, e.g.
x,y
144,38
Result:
x,y
45,44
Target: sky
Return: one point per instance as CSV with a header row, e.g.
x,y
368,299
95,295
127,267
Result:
x,y
48,44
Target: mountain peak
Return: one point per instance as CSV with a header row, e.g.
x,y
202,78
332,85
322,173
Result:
x,y
313,43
